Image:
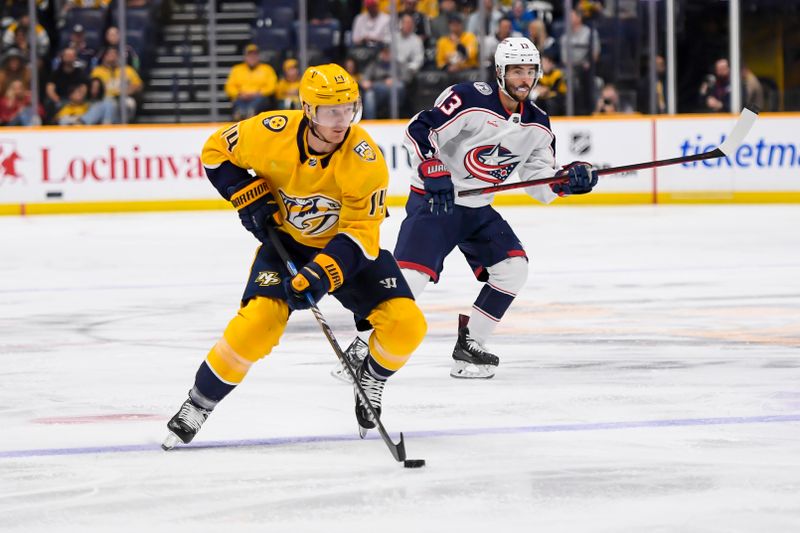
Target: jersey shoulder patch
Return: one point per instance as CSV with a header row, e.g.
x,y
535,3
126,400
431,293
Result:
x,y
483,87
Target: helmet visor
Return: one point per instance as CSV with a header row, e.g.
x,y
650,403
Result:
x,y
333,116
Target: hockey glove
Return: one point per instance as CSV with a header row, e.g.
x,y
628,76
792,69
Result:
x,y
438,186
582,178
316,278
257,208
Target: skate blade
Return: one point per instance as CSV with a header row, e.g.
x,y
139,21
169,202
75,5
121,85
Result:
x,y
465,370
362,431
170,441
342,374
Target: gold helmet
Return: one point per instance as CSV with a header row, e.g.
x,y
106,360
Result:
x,y
328,85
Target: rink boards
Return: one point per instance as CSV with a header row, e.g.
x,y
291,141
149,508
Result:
x,y
157,167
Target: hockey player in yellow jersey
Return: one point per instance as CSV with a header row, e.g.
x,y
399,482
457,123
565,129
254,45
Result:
x,y
320,179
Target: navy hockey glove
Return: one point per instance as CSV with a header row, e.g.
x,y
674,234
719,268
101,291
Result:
x,y
257,208
582,179
316,278
438,186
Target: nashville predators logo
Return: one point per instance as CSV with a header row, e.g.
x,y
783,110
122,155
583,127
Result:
x,y
265,279
274,123
313,215
365,151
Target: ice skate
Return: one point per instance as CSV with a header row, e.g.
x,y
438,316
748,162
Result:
x,y
471,360
374,390
184,425
355,353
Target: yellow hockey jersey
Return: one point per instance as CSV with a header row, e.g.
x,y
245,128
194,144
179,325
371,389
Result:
x,y
320,195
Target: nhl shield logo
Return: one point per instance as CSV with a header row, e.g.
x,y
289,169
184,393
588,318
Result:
x,y
580,142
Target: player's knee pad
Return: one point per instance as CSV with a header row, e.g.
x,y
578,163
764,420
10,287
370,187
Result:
x,y
417,281
509,275
257,327
399,328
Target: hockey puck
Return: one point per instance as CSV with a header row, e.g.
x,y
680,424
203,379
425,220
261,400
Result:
x,y
414,463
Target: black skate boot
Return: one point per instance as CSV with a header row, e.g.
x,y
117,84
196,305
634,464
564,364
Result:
x,y
185,424
355,353
374,390
471,360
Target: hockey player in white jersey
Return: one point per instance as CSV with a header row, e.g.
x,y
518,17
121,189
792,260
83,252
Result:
x,y
477,134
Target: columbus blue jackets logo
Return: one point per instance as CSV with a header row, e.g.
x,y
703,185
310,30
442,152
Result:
x,y
312,215
490,163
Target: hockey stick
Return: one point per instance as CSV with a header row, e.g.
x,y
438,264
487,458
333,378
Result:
x,y
727,148
398,450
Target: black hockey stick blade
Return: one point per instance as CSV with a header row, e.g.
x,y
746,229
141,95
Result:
x,y
728,147
398,450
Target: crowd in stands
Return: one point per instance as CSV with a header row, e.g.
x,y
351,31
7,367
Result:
x,y
78,63
438,44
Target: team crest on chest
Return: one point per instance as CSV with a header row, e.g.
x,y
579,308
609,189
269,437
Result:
x,y
312,215
365,151
490,163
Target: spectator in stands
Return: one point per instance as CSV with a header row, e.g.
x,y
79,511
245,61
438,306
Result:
x,y
15,106
377,83
551,92
458,51
410,50
13,67
75,106
644,88
580,40
351,66
422,25
520,17
493,16
109,72
17,35
752,90
715,91
287,92
584,50
86,55
609,102
319,12
63,80
112,39
372,27
69,4
537,33
251,85
440,25
504,31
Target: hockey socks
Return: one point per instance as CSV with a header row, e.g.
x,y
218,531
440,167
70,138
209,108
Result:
x,y
488,309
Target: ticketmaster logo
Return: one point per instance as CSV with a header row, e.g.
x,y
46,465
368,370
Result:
x,y
761,154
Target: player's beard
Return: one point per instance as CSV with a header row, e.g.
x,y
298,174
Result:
x,y
515,95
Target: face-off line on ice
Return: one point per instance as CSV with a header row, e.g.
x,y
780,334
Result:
x,y
304,214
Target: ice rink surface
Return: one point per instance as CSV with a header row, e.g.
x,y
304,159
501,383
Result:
x,y
649,382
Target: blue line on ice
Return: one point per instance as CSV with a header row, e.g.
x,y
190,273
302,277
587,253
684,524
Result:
x,y
277,441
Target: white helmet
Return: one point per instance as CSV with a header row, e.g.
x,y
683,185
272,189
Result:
x,y
516,51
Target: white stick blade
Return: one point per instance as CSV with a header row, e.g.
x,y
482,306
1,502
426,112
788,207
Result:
x,y
740,130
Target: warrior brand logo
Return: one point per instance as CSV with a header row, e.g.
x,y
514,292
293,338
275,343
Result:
x,y
389,283
493,164
365,151
580,142
313,215
249,195
8,161
265,279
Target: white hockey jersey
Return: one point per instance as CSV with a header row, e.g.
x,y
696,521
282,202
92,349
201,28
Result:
x,y
481,143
